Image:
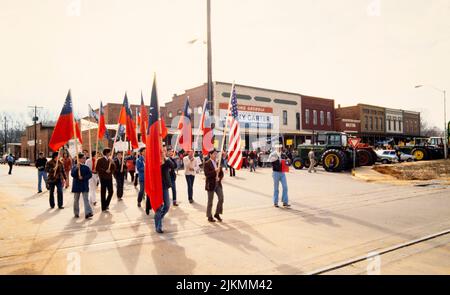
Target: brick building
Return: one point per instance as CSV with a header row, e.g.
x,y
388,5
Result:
x,y
394,122
318,114
44,133
411,123
260,110
365,121
111,111
374,123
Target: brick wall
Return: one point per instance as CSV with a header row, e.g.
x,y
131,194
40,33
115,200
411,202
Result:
x,y
173,108
411,123
44,134
319,106
348,119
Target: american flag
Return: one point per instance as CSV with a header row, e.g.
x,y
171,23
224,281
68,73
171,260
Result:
x,y
234,139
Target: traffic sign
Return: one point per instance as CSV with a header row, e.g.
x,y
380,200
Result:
x,y
354,141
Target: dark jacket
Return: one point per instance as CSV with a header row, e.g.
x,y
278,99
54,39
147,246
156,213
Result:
x,y
118,165
81,186
53,166
276,165
172,171
40,164
165,168
102,166
211,175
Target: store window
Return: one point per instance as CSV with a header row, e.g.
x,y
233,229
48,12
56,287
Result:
x,y
285,118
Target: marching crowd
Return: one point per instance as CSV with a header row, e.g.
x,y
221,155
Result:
x,y
99,169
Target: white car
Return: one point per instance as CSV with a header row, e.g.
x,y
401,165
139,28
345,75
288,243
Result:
x,y
23,162
390,156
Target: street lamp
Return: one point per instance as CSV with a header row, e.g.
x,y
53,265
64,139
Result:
x,y
445,117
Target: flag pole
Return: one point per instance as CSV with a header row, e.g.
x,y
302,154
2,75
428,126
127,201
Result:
x,y
200,126
96,144
57,160
76,146
114,144
89,135
225,129
123,157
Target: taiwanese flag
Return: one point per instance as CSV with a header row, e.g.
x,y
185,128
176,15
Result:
x,y
78,132
64,129
153,178
100,120
143,122
185,127
164,130
102,131
126,119
206,130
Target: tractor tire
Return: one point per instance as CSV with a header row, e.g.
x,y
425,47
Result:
x,y
297,163
419,154
365,158
339,157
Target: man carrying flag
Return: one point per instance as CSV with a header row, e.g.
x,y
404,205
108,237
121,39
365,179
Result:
x,y
92,161
64,131
157,165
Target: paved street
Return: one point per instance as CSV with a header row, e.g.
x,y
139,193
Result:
x,y
333,218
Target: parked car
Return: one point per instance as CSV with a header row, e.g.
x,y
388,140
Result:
x,y
390,156
23,162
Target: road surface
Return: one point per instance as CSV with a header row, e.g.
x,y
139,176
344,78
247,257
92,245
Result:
x,y
334,218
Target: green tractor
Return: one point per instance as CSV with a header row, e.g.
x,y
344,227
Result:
x,y
333,153
425,148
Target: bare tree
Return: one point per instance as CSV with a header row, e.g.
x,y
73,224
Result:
x,y
12,126
430,131
44,116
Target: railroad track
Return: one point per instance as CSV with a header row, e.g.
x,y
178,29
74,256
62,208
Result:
x,y
343,264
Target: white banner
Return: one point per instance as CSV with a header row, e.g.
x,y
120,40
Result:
x,y
251,118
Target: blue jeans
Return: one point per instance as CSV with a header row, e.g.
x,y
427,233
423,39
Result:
x,y
76,204
162,211
41,174
141,191
190,184
277,178
174,189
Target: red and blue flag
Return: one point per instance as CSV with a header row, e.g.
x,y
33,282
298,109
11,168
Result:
x,y
153,178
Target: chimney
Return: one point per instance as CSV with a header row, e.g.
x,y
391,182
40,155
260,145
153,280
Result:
x,y
339,106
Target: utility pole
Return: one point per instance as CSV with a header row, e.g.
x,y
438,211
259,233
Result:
x,y
35,119
6,133
210,86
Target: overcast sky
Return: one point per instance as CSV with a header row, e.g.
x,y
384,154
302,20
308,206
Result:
x,y
369,51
